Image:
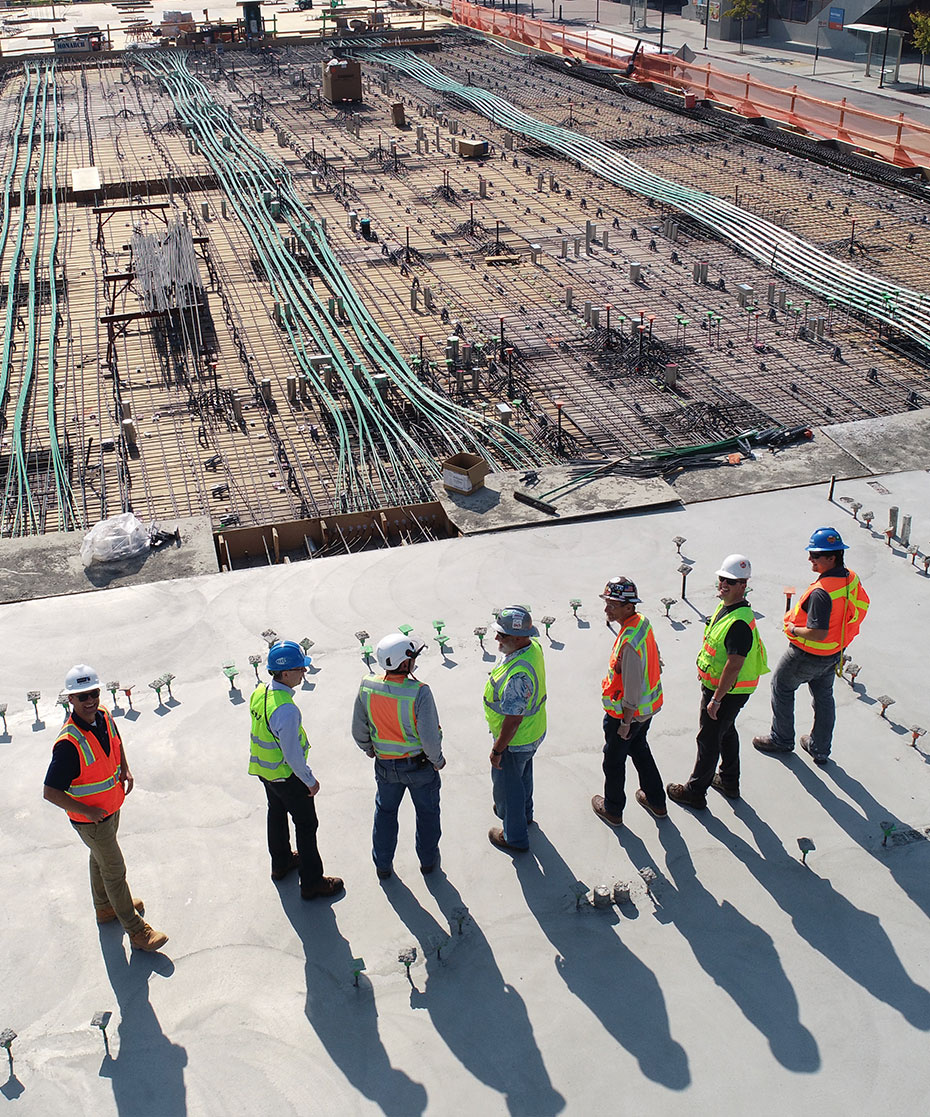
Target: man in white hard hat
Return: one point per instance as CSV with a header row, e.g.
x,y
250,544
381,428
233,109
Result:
x,y
89,777
730,663
396,723
631,695
515,710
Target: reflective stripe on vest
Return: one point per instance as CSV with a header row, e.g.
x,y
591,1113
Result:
x,y
637,632
528,661
267,759
392,722
713,655
845,620
98,781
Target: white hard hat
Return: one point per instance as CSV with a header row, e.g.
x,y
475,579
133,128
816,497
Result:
x,y
394,649
735,567
81,678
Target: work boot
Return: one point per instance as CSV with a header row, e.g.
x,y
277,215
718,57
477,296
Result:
x,y
384,874
496,837
597,805
766,744
680,793
659,812
724,789
148,939
807,744
327,887
108,914
290,865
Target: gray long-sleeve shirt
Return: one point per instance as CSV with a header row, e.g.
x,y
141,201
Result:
x,y
429,731
284,723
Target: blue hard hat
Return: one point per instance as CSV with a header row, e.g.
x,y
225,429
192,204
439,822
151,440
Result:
x,y
826,539
285,655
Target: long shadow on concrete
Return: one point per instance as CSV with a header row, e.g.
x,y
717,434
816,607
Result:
x,y
852,939
481,1018
863,831
345,1017
599,969
738,955
148,1072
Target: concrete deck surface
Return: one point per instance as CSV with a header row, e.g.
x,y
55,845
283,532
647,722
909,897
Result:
x,y
750,984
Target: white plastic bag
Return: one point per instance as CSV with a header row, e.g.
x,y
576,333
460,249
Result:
x,y
119,537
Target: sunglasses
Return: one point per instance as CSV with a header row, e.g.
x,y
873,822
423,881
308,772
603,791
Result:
x,y
86,696
727,582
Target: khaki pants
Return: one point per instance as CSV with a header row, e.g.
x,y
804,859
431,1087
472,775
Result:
x,y
108,871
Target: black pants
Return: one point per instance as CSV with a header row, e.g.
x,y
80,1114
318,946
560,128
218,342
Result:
x,y
636,747
717,739
291,797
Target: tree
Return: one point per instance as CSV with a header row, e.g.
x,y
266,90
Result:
x,y
920,37
743,10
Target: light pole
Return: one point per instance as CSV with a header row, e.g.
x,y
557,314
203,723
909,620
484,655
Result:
x,y
706,21
881,79
662,28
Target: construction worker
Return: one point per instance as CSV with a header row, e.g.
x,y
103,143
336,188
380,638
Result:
x,y
819,628
279,759
515,709
730,663
632,694
89,777
396,723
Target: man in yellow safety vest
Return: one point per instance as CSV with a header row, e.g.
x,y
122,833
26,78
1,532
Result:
x,y
819,629
632,694
396,723
515,709
730,662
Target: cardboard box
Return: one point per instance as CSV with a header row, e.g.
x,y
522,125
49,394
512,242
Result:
x,y
464,473
473,149
342,80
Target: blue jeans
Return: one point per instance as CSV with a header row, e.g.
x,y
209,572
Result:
x,y
394,777
512,786
818,671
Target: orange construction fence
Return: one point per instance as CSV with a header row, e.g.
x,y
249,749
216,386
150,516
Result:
x,y
897,139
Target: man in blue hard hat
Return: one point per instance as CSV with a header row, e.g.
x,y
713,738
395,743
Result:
x,y
279,759
819,628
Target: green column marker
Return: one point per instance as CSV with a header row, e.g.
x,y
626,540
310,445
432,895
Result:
x,y
361,636
459,915
358,967
230,670
437,942
407,956
113,688
270,636
366,654
33,696
481,631
254,661
439,626
442,641
306,644
668,602
887,828
684,570
62,701
405,629
575,604
127,690
805,845
101,1020
495,613
548,622
156,685
168,679
3,706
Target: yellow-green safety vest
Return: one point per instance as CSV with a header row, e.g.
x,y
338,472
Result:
x,y
528,661
713,655
267,759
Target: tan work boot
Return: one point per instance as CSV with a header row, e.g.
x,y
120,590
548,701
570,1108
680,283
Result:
x,y
107,914
147,939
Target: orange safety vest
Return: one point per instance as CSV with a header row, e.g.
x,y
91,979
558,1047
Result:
x,y
98,782
850,603
389,701
636,630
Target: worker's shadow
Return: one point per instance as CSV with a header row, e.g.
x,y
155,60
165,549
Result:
x,y
345,1016
738,955
853,940
148,1072
599,969
864,831
468,974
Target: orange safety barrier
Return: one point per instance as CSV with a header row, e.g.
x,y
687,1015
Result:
x,y
897,140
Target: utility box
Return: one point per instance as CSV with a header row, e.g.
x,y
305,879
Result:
x,y
744,294
398,116
464,473
342,80
473,149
